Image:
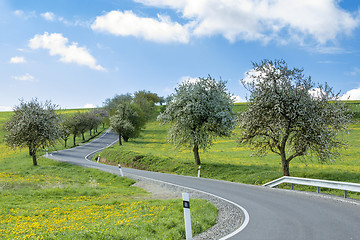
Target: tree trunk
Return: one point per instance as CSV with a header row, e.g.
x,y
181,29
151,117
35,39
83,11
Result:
x,y
126,139
30,153
74,139
83,136
120,140
285,165
196,154
65,142
33,152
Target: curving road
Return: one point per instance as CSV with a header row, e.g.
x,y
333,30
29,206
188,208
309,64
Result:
x,y
273,213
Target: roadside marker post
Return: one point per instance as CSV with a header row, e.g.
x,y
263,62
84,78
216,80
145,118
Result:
x,y
98,159
47,153
187,217
199,171
121,172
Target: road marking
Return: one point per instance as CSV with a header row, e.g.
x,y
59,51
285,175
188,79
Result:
x,y
109,145
246,214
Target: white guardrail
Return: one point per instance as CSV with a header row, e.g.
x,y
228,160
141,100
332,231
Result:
x,y
346,186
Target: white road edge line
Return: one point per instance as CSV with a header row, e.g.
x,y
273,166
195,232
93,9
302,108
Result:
x,y
109,145
69,149
246,214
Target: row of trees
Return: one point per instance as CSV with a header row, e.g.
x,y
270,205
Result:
x,y
285,115
81,122
37,125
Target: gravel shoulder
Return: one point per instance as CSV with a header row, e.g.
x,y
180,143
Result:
x,y
229,217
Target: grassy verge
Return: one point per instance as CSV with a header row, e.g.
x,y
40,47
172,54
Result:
x,y
227,161
60,201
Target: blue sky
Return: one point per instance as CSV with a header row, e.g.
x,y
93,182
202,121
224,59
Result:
x,y
77,53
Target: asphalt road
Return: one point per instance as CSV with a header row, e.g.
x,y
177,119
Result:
x,y
273,213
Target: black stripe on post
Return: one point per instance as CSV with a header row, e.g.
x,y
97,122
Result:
x,y
186,204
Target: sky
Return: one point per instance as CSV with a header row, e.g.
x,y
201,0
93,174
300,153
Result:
x,y
78,53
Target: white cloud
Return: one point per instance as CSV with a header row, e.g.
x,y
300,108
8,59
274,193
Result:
x,y
25,15
69,53
251,76
238,99
263,20
26,78
127,23
18,13
48,16
355,72
17,60
353,94
5,109
181,80
327,49
89,105
317,92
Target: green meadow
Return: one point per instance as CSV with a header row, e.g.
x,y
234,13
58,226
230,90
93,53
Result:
x,y
60,201
56,200
226,160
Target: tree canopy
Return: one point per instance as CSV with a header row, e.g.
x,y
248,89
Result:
x,y
290,116
199,112
111,104
146,101
33,125
128,121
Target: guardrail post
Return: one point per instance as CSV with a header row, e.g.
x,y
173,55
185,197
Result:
x,y
345,194
292,186
318,189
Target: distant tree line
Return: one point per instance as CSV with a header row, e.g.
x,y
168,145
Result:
x,y
129,113
80,122
37,125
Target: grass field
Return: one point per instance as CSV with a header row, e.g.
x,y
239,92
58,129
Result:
x,y
227,161
56,200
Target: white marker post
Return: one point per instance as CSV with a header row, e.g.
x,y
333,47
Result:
x,y
47,154
187,216
199,171
98,159
121,172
